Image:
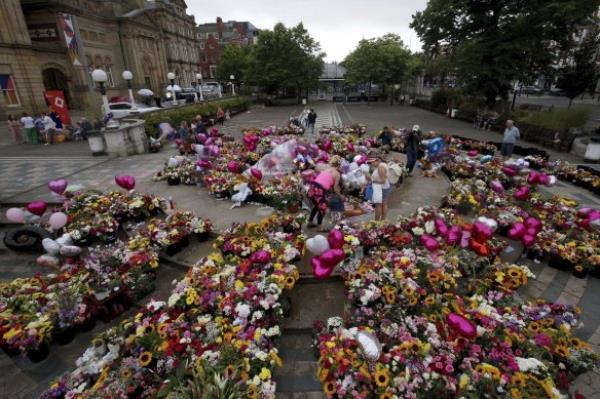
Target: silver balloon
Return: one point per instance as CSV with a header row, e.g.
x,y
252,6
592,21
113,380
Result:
x,y
369,345
551,181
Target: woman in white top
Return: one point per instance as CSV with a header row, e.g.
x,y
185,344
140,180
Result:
x,y
381,187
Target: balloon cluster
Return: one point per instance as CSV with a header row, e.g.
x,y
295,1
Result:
x,y
474,236
251,141
36,209
62,246
589,218
526,232
327,253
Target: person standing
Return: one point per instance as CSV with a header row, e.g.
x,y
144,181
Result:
x,y
319,193
312,119
184,135
49,127
86,127
29,126
14,126
511,134
385,137
381,187
413,140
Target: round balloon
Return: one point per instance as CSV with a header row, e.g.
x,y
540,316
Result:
x,y
57,220
15,215
369,345
317,245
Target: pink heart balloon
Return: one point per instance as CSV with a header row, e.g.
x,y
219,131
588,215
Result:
x,y
517,231
37,207
327,145
125,181
528,240
509,171
584,211
57,186
441,227
533,178
531,231
201,137
362,159
594,215
472,153
429,242
497,186
260,256
454,235
461,325
335,239
320,271
533,223
214,132
256,173
332,257
232,166
544,179
522,193
204,163
481,231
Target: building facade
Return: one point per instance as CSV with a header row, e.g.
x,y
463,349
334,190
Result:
x,y
213,37
56,44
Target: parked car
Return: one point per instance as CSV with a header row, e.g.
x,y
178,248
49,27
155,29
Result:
x,y
125,109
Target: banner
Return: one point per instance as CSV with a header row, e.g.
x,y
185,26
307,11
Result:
x,y
56,101
67,22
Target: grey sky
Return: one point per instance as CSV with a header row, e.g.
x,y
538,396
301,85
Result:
x,y
338,25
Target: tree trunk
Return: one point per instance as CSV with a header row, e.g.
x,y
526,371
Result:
x,y
392,94
570,102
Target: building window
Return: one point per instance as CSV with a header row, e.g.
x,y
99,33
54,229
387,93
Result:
x,y
109,76
9,90
212,71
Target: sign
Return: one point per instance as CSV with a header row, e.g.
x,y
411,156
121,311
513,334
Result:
x,y
43,32
56,101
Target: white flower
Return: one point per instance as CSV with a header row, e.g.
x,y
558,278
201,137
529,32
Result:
x,y
242,310
418,231
530,364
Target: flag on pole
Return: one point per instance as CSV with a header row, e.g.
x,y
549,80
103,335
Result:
x,y
66,22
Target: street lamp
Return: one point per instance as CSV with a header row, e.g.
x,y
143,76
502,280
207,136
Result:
x,y
99,76
199,79
232,78
128,76
171,77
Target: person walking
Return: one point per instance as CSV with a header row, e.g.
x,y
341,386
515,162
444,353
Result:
x,y
220,116
14,126
312,119
49,128
29,126
86,127
184,136
511,134
413,140
381,187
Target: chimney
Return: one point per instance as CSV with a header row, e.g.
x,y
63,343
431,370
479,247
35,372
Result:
x,y
219,27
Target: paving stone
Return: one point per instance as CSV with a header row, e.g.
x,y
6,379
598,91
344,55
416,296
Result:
x,y
315,301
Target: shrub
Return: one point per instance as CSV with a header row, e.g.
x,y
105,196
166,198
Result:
x,y
176,115
443,98
560,118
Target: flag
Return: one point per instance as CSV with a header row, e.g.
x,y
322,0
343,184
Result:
x,y
66,23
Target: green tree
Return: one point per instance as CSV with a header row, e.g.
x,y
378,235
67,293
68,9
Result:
x,y
384,60
286,59
581,72
235,61
497,42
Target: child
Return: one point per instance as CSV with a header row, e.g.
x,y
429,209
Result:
x,y
336,208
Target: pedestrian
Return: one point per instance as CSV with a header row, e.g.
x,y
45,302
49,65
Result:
x,y
200,126
57,121
413,140
319,193
39,127
14,126
49,128
381,187
385,138
220,116
29,127
312,119
86,127
157,101
511,134
184,136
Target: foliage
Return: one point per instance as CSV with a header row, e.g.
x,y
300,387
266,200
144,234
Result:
x,y
560,118
235,61
175,116
285,58
384,60
581,71
445,98
495,43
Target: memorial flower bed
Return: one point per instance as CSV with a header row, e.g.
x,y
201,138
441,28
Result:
x,y
214,337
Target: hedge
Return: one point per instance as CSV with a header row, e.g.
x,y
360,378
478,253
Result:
x,y
174,116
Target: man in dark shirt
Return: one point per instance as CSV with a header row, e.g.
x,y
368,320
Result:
x,y
312,119
413,140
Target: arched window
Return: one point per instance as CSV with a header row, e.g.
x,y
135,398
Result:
x,y
110,82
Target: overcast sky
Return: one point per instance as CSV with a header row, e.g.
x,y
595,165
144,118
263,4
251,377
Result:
x,y
337,24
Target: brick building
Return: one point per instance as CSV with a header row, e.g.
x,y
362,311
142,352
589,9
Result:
x,y
215,36
55,44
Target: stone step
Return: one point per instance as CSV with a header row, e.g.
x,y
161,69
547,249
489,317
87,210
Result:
x,y
298,376
313,300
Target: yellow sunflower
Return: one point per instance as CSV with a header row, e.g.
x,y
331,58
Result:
x,y
145,358
518,379
329,388
382,378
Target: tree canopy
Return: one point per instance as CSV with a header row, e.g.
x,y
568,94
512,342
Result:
x,y
235,61
497,42
285,58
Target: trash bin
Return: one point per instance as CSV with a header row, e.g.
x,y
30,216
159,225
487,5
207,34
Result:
x,y
96,142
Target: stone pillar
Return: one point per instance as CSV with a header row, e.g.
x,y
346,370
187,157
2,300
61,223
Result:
x,y
137,135
118,143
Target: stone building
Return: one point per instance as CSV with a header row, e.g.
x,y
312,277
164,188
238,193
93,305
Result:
x,y
215,36
56,44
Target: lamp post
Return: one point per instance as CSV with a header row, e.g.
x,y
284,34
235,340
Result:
x,y
128,76
171,77
99,76
232,78
199,79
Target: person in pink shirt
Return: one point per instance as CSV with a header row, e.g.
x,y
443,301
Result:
x,y
326,182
